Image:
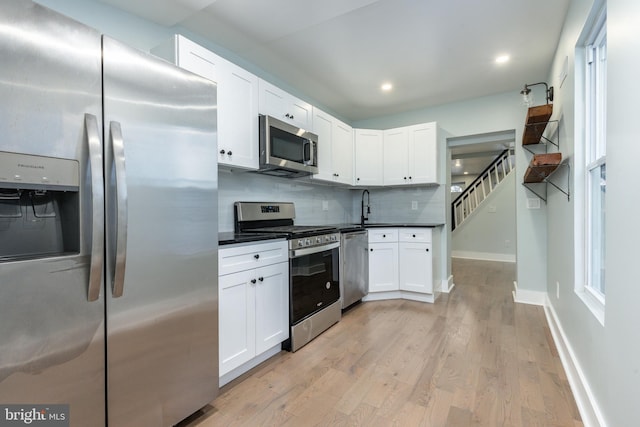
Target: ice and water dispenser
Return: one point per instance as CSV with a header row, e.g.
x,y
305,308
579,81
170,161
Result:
x,y
39,207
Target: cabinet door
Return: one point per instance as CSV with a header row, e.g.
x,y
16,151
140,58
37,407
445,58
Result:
x,y
342,152
195,58
272,306
237,117
415,267
237,320
396,157
368,157
277,103
383,267
423,153
323,127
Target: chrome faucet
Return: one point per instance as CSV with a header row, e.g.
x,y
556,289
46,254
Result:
x,y
362,217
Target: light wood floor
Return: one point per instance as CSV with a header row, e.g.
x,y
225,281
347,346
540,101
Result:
x,y
474,358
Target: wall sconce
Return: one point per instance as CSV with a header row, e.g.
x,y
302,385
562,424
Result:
x,y
527,97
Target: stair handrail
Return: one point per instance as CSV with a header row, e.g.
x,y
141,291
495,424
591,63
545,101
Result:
x,y
479,181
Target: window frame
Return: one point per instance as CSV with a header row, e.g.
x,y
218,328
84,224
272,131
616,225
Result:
x,y
590,151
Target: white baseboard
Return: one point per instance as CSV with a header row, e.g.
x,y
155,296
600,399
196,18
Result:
x,y
483,256
524,296
447,285
414,296
245,367
585,400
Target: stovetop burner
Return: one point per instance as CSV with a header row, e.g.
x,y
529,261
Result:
x,y
295,230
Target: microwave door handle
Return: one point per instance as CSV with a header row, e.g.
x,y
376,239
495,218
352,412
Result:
x,y
307,152
121,209
96,265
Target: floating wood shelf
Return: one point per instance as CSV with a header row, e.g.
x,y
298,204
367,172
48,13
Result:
x,y
541,166
536,123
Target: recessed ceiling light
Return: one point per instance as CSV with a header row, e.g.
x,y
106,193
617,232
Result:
x,y
386,87
465,173
502,59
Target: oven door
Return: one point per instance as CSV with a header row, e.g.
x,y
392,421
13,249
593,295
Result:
x,y
314,280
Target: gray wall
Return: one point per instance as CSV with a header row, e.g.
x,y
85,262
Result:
x,y
609,355
490,231
484,115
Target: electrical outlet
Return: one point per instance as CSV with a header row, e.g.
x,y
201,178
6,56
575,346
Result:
x,y
557,290
325,205
533,203
414,205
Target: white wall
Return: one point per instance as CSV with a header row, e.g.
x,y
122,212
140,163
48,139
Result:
x,y
608,356
490,232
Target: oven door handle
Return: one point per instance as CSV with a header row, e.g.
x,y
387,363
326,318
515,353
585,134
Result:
x,y
295,253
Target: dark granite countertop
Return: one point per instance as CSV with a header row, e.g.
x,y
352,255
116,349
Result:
x,y
355,227
229,237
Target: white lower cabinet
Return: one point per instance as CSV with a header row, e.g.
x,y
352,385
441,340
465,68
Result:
x,y
253,307
400,264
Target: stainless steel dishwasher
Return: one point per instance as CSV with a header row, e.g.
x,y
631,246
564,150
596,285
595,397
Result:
x,y
354,274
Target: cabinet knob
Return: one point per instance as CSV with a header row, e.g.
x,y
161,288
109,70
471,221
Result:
x,y
427,249
384,235
229,153
257,256
222,151
409,177
261,279
405,178
414,235
371,249
253,281
357,179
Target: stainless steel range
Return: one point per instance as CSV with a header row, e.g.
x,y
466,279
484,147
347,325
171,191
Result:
x,y
314,267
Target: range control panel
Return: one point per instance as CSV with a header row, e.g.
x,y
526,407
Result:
x,y
313,241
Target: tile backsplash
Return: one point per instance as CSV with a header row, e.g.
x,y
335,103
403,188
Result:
x,y
343,205
308,198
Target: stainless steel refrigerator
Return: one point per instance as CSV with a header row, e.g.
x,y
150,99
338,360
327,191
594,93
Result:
x,y
108,226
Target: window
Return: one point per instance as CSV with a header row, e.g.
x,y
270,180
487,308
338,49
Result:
x,y
457,187
591,174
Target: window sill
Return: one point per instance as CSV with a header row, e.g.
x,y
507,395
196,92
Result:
x,y
593,304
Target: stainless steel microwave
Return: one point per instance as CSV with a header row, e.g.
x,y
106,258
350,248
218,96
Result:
x,y
286,150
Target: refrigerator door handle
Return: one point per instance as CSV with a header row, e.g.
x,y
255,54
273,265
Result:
x,y
97,202
117,142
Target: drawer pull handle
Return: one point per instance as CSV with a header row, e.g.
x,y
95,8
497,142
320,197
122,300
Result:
x,y
262,278
257,256
253,281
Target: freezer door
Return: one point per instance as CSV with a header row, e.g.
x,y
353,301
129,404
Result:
x,y
162,207
51,320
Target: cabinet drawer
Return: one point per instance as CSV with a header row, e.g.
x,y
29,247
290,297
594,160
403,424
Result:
x,y
381,235
239,258
416,235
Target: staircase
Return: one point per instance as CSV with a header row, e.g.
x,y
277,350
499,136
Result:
x,y
469,200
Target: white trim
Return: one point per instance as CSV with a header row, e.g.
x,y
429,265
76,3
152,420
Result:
x,y
247,366
413,296
524,296
484,256
447,285
585,400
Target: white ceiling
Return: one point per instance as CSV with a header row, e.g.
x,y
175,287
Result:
x,y
338,52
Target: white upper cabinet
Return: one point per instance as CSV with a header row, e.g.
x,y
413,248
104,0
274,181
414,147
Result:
x,y
237,99
396,157
368,157
423,153
335,148
411,155
283,106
